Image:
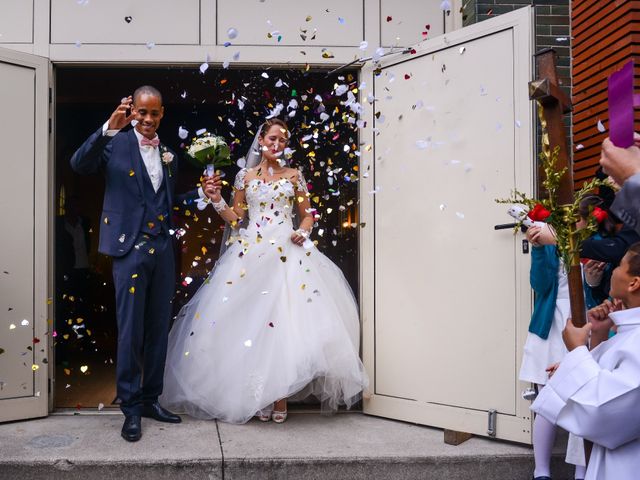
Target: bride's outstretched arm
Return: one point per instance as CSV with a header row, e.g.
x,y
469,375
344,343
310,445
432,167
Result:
x,y
304,212
233,214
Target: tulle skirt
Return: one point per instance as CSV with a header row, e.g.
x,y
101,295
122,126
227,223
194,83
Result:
x,y
272,321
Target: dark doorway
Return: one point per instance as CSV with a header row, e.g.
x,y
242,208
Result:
x,y
231,103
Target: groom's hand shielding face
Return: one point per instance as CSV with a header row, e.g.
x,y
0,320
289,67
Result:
x,y
120,117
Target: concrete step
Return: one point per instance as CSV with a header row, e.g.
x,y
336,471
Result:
x,y
308,446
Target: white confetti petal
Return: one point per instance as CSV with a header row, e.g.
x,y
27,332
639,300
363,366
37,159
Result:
x,y
363,45
460,215
232,33
265,75
150,45
443,206
518,123
183,133
24,323
579,146
248,343
445,5
601,128
204,67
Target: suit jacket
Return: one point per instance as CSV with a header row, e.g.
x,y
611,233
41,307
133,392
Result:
x,y
626,206
123,208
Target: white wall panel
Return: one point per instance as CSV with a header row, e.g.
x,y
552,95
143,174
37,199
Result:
x,y
335,22
16,21
409,20
105,22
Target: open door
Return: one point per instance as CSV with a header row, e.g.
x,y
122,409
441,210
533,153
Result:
x,y
24,213
445,299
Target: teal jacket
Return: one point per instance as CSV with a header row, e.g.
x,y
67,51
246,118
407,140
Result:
x,y
544,281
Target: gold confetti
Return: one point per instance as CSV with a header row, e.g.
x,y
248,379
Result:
x,y
67,371
106,220
283,258
152,250
34,367
135,275
303,286
132,290
308,19
131,173
161,217
84,369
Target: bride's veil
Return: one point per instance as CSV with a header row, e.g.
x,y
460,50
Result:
x,y
252,159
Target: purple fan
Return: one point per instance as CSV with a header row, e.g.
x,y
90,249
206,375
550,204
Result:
x,y
621,103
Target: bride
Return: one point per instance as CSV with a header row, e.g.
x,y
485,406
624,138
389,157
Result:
x,y
276,319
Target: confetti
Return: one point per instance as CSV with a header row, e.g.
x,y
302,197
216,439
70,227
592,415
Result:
x,y
601,127
84,369
363,45
445,5
232,33
579,146
150,45
248,343
25,323
128,19
204,67
183,133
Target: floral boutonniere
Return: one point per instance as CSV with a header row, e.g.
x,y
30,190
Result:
x,y
167,157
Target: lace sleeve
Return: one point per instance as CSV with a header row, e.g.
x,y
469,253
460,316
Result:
x,y
239,182
302,184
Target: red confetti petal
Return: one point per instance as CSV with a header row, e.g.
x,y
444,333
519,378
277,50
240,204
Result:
x,y
36,340
413,51
407,76
389,18
427,26
271,324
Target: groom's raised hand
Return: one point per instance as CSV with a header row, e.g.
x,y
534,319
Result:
x,y
119,118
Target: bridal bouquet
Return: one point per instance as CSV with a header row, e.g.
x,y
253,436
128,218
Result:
x,y
561,218
207,150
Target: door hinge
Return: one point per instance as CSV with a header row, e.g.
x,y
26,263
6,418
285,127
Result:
x,y
491,422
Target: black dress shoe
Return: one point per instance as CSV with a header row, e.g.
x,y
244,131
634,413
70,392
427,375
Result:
x,y
541,478
155,411
132,428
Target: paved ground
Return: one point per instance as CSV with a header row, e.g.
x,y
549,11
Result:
x,y
307,446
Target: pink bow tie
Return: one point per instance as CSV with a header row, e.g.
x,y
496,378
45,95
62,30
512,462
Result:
x,y
145,142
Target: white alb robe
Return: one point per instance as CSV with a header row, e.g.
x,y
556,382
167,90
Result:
x,y
596,395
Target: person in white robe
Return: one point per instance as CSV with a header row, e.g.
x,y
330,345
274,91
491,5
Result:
x,y
596,394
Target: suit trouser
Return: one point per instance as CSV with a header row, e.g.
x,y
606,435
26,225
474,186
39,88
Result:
x,y
144,283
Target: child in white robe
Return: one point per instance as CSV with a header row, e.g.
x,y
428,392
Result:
x,y
596,394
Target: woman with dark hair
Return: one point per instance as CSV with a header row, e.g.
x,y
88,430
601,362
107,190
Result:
x,y
276,318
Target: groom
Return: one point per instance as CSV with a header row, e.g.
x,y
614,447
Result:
x,y
140,175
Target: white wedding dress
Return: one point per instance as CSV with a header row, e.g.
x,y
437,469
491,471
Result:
x,y
273,320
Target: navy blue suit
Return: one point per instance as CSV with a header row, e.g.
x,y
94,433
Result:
x,y
134,230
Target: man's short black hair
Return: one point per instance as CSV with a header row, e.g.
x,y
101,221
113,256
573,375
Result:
x,y
149,90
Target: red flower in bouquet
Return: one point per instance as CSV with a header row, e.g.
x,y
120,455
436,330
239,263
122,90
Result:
x,y
538,213
600,214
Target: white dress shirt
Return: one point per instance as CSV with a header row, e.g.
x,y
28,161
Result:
x,y
150,157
